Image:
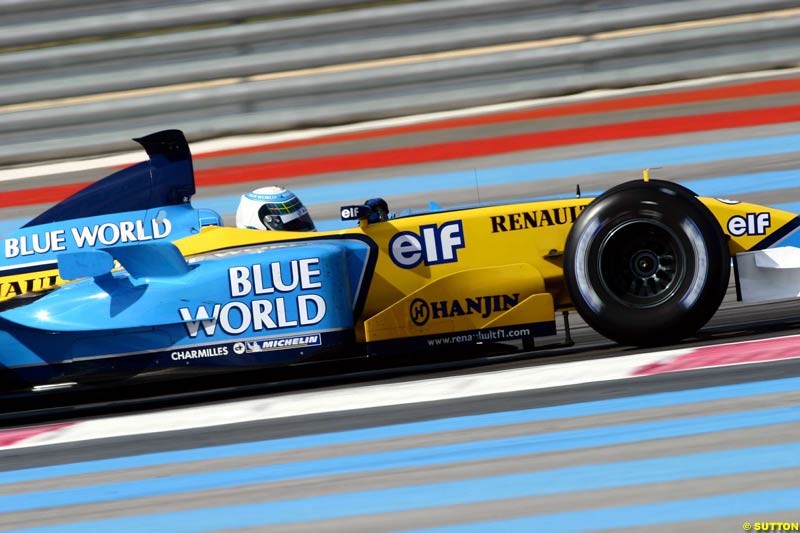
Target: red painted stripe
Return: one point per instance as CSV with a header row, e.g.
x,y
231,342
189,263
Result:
x,y
497,145
728,354
448,151
39,195
9,437
745,90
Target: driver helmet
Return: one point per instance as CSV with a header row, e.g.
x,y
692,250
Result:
x,y
273,208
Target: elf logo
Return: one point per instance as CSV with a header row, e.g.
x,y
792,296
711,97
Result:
x,y
749,224
433,244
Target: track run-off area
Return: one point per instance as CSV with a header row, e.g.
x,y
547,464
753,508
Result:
x,y
703,435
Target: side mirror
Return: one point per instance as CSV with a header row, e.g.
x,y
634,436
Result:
x,y
208,217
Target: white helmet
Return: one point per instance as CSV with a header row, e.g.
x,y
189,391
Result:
x,y
273,208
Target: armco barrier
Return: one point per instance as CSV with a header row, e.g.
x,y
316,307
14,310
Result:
x,y
122,18
249,91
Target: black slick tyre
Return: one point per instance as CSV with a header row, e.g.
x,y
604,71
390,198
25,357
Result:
x,y
646,263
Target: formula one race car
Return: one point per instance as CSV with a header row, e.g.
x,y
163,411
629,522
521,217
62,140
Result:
x,y
126,277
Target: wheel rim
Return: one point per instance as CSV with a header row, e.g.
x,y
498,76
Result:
x,y
641,263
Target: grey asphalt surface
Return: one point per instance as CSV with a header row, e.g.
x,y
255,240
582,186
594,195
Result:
x,y
320,485
733,322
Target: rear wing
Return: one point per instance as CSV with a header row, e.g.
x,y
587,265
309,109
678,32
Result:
x,y
147,202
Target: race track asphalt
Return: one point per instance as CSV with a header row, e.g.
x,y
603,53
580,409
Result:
x,y
697,450
655,450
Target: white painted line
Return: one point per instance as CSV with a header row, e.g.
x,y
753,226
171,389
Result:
x,y
247,141
358,397
371,396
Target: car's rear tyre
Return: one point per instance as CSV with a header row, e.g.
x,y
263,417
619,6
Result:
x,y
646,263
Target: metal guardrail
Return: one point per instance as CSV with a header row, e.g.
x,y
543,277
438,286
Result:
x,y
342,30
298,72
155,17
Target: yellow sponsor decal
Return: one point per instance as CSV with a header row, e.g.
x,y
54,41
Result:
x,y
746,224
11,286
771,526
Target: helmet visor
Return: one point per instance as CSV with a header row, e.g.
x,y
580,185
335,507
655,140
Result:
x,y
288,216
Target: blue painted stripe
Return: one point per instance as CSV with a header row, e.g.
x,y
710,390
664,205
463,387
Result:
x,y
562,480
794,207
725,186
711,187
730,186
532,172
739,504
407,458
664,399
721,186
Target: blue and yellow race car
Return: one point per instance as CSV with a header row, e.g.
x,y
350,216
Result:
x,y
126,277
